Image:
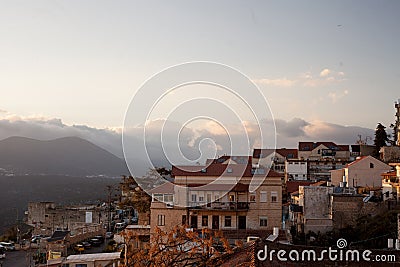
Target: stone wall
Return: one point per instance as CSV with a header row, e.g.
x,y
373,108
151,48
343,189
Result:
x,y
346,209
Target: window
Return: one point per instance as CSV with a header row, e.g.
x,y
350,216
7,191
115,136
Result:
x,y
231,198
184,220
263,221
168,198
161,220
371,165
158,197
201,198
194,197
216,198
228,221
81,265
263,196
204,220
253,198
274,196
229,170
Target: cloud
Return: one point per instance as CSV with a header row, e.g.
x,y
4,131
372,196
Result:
x,y
3,111
195,144
284,82
324,73
307,79
335,96
324,131
50,128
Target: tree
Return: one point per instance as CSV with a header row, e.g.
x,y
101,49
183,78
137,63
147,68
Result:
x,y
380,139
180,247
134,196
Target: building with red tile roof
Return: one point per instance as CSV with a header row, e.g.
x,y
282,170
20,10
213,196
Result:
x,y
220,195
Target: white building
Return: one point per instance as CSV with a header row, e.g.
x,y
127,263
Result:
x,y
296,169
363,172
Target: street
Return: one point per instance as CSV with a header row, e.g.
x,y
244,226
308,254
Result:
x,y
17,259
22,258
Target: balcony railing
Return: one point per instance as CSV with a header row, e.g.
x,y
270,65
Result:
x,y
220,205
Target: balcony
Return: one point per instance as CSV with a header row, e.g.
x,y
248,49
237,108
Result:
x,y
230,206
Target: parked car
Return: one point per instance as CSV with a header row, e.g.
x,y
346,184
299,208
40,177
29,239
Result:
x,y
79,248
86,245
95,242
8,246
36,239
109,235
100,237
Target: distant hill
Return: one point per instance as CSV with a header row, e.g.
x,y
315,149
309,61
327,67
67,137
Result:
x,y
64,156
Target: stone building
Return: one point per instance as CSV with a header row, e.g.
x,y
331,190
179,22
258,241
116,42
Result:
x,y
219,196
324,208
46,217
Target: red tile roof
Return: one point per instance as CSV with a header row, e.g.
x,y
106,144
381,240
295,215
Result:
x,y
356,161
168,188
285,152
293,186
318,183
237,159
308,146
215,169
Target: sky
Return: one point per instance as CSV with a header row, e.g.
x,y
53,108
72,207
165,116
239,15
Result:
x,y
322,65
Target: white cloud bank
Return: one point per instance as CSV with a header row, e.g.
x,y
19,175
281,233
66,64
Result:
x,y
289,133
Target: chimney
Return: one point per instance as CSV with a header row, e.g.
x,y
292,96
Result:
x,y
344,181
276,231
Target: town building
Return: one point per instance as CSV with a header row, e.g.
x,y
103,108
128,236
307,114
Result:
x,y
94,260
390,154
323,150
363,172
273,158
319,208
391,185
219,196
46,217
296,169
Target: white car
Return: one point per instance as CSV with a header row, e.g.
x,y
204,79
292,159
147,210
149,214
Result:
x,y
8,246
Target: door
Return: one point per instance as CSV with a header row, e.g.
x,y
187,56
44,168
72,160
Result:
x,y
242,222
193,222
215,222
208,200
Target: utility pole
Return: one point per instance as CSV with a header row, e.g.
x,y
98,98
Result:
x,y
17,227
109,190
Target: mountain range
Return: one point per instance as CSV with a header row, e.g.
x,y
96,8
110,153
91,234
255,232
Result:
x,y
71,156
